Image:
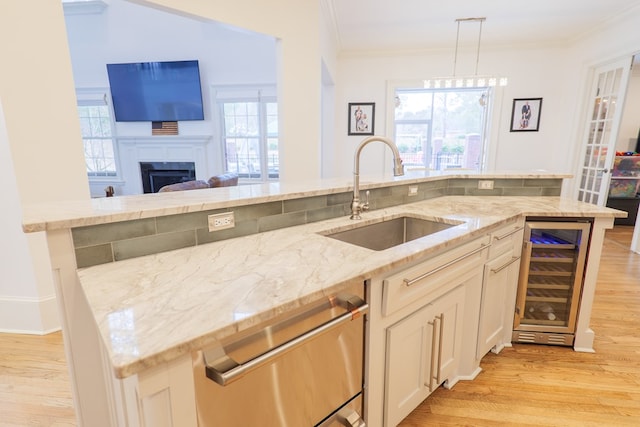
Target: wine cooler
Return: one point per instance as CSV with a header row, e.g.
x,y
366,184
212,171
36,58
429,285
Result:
x,y
550,283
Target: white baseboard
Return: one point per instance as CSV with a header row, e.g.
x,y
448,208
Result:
x,y
471,377
34,316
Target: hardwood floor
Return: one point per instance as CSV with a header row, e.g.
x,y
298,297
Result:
x,y
34,383
527,385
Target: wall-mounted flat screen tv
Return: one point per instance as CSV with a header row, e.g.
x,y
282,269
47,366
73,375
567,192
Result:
x,y
167,91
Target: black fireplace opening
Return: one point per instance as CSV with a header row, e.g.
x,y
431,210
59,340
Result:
x,y
156,175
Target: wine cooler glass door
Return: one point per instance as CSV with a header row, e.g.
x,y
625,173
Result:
x,y
551,276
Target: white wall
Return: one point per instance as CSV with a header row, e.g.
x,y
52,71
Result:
x,y
26,303
612,41
630,124
128,32
296,25
41,154
42,127
534,73
329,48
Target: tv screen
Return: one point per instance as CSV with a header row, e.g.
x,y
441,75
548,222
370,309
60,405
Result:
x,y
166,91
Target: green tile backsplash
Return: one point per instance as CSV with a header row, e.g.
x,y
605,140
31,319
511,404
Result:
x,y
100,244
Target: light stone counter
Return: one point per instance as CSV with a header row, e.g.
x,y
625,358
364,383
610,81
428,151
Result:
x,y
155,308
78,213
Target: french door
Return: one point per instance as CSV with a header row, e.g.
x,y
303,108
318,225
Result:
x,y
603,120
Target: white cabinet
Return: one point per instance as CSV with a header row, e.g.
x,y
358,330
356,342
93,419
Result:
x,y
422,352
499,286
500,275
417,333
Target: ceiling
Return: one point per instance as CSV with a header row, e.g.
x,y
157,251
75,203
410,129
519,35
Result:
x,y
384,25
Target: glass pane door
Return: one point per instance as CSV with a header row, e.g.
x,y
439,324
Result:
x,y
610,85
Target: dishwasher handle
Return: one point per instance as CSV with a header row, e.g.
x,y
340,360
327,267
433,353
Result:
x,y
225,370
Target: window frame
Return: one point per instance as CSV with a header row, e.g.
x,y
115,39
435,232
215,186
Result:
x,y
262,95
494,94
99,98
443,157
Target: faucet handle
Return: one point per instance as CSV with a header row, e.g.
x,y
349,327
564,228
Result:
x,y
365,205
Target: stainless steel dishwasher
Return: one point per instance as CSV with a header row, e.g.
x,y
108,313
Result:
x,y
304,368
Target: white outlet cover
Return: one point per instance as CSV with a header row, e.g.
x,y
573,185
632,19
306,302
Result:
x,y
221,221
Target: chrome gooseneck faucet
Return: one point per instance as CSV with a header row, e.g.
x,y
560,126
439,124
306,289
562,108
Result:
x,y
356,205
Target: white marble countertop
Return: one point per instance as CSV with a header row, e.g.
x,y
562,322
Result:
x,y
78,213
155,308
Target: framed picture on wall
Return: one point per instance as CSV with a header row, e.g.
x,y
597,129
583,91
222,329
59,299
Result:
x,y
361,118
525,115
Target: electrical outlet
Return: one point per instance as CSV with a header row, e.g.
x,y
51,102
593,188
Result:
x,y
485,185
221,221
413,191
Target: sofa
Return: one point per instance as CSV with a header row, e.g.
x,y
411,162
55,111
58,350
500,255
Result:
x,y
222,180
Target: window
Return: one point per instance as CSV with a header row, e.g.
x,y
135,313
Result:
x,y
97,137
250,134
441,128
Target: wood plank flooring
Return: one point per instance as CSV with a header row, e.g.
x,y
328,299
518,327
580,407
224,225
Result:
x,y
527,385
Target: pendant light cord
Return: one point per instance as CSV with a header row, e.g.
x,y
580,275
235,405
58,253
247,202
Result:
x,y
455,57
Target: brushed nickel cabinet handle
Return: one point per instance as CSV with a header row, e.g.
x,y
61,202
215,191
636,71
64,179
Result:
x,y
509,233
441,319
433,355
507,264
409,282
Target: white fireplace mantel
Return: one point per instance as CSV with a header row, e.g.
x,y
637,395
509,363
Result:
x,y
165,148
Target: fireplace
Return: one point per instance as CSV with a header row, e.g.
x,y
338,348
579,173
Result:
x,y
156,175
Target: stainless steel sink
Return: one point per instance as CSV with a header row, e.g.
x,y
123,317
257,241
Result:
x,y
390,233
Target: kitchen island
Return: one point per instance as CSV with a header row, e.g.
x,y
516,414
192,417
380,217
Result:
x,y
144,316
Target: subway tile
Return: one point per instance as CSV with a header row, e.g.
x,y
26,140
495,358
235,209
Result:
x,y
275,222
243,228
400,190
455,191
132,248
186,221
378,193
551,191
522,191
507,183
94,255
247,212
385,202
96,234
339,198
463,183
477,192
327,213
435,192
102,243
543,182
304,204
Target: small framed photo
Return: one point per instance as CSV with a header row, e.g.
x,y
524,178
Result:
x,y
361,118
525,116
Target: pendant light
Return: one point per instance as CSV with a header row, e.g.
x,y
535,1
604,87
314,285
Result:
x,y
472,81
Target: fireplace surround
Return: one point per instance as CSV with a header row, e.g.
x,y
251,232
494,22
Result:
x,y
156,175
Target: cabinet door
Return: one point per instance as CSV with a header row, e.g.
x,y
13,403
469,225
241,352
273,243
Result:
x,y
499,282
423,350
449,317
409,364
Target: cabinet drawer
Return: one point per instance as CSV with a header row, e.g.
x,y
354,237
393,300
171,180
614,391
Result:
x,y
433,277
507,239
